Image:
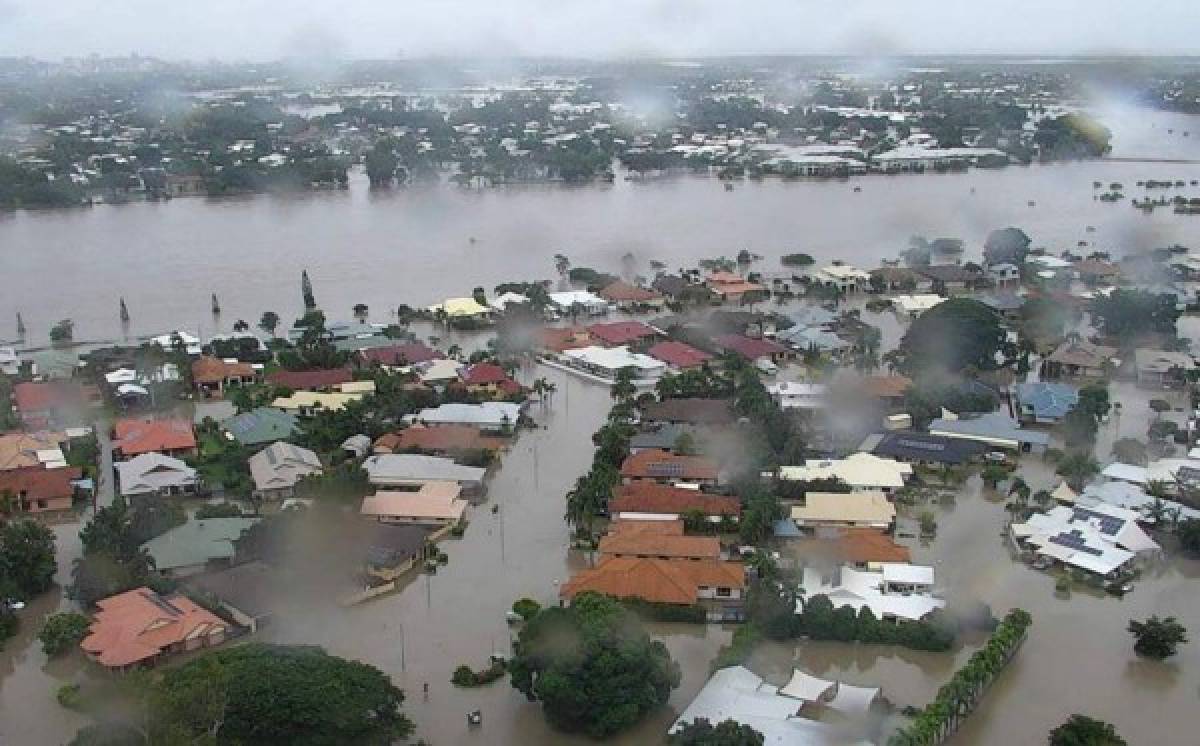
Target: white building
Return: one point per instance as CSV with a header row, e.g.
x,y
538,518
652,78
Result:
x,y
1100,538
897,592
798,395
863,472
913,306
491,415
580,302
607,362
844,277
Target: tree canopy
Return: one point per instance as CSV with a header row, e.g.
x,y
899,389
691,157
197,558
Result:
x,y
1125,314
1081,730
1157,637
726,733
27,563
955,334
1006,245
592,666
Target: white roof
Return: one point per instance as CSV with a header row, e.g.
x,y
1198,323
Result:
x,y
805,686
837,507
917,303
859,588
121,375
854,700
494,414
150,472
859,470
392,468
569,298
1125,473
280,465
1099,538
903,572
504,300
441,369
844,272
616,358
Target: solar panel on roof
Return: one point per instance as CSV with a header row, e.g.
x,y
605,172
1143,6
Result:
x,y
921,445
665,469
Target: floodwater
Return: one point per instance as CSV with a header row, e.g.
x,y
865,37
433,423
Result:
x,y
411,246
414,245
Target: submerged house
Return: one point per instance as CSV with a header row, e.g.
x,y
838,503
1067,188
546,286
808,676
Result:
x,y
141,627
1045,403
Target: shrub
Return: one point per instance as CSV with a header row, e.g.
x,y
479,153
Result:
x,y
526,608
63,631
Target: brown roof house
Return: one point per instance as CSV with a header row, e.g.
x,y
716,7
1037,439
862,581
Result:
x,y
654,465
716,585
212,375
37,490
646,501
140,627
133,437
628,297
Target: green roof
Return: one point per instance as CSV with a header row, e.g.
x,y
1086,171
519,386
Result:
x,y
197,542
262,425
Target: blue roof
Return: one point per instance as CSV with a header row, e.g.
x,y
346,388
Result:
x,y
1047,400
809,337
785,528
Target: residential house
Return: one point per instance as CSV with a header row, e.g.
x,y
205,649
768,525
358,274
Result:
x,y
434,503
438,373
396,470
922,448
729,287
141,627
607,362
1007,304
679,356
785,715
558,339
888,390
862,472
1045,403
647,501
391,549
575,303
156,475
675,287
488,379
749,348
356,446
892,279
714,584
10,362
261,425
690,411
897,592
660,435
952,279
462,309
844,510
650,545
994,429
632,334
798,395
1076,358
1162,368
178,340
322,379
628,297
846,278
860,548
246,592
912,306
440,440
1094,272
399,355
277,468
39,491
197,545
308,403
212,375
492,416
1004,275
33,449
813,339
42,405
171,437
1100,539
668,468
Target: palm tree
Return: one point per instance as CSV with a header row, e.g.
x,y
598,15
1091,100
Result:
x,y
1043,498
1077,467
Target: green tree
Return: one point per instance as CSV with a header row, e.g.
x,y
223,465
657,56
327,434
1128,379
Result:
x,y
306,291
1156,637
1077,467
381,162
703,733
1130,451
27,561
62,332
1128,314
1189,535
269,322
1006,245
1081,730
63,631
592,666
957,334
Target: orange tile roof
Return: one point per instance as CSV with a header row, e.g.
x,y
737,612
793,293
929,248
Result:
x,y
887,387
628,526
623,291
209,369
654,463
20,449
438,439
644,544
133,437
560,339
646,497
656,580
40,483
859,545
138,625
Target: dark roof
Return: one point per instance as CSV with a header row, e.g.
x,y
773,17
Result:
x,y
387,545
948,273
248,588
748,347
663,436
695,411
669,284
401,354
905,445
303,380
678,354
621,332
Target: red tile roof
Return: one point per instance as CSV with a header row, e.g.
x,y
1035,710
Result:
x,y
663,546
678,354
857,545
310,380
646,497
568,338
138,625
656,580
42,397
40,483
133,437
616,333
402,354
483,374
654,463
438,439
749,348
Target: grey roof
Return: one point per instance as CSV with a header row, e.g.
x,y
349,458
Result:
x,y
280,465
807,338
411,467
151,472
197,542
812,316
392,544
993,425
1047,400
354,344
247,588
262,425
664,436
1003,302
494,414
907,445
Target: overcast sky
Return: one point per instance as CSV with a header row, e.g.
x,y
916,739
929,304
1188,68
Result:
x,y
269,29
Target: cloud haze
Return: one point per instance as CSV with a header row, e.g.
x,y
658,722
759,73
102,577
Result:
x,y
269,29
